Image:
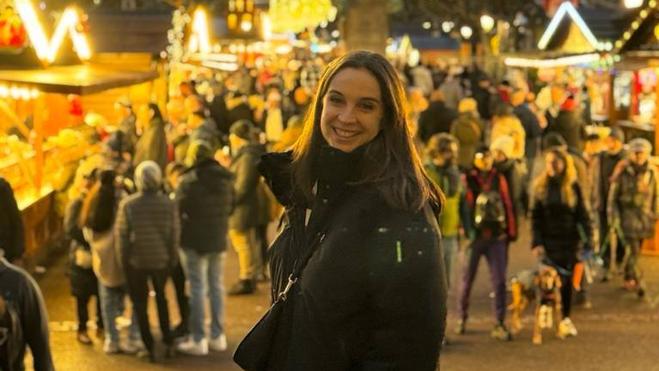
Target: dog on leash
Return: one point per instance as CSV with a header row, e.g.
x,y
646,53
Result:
x,y
544,287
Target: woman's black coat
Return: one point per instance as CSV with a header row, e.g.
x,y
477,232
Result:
x,y
561,229
83,280
372,296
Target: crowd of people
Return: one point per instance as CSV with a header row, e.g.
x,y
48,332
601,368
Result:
x,y
171,192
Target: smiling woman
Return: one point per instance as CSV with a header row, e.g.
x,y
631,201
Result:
x,y
357,276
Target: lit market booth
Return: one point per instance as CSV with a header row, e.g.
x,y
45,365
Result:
x,y
46,86
572,53
636,98
636,91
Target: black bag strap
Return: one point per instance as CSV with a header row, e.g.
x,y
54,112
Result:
x,y
313,245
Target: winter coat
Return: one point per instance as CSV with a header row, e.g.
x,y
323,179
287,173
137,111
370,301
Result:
x,y
128,128
514,171
12,234
204,198
246,202
568,124
559,227
469,133
21,293
373,296
633,204
105,258
147,231
512,127
208,133
532,129
453,92
602,170
152,145
454,213
83,279
438,118
478,182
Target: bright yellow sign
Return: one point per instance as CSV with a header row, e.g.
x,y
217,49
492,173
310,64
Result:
x,y
45,48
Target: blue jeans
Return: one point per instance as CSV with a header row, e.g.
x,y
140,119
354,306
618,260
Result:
x,y
113,306
204,273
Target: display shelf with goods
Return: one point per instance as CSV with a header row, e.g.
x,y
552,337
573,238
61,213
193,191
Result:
x,y
49,90
636,102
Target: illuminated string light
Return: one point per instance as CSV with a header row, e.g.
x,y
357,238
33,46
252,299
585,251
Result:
x,y
45,48
199,38
566,9
550,63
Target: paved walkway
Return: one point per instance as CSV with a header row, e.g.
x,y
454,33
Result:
x,y
618,333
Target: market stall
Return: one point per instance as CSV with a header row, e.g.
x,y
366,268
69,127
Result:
x,y
47,91
572,54
636,98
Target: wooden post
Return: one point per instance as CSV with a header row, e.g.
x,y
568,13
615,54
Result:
x,y
39,110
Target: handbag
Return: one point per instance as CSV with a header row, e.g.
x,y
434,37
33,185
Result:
x,y
255,350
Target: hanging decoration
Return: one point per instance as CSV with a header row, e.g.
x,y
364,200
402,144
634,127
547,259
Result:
x,y
298,15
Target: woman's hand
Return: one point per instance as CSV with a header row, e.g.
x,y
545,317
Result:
x,y
538,251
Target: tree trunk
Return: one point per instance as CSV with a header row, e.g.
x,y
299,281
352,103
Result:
x,y
366,25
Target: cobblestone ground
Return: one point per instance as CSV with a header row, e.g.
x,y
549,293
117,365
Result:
x,y
618,333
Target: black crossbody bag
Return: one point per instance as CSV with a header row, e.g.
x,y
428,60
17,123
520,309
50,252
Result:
x,y
258,347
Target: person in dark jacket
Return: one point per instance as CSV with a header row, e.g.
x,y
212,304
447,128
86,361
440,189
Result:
x,y
561,225
204,198
243,221
148,235
12,233
127,126
438,118
491,226
84,284
372,296
152,145
530,123
633,207
569,125
23,319
603,166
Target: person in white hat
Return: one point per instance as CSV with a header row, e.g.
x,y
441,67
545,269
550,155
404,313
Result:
x,y
633,207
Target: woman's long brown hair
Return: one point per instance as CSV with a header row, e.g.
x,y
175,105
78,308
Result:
x,y
390,160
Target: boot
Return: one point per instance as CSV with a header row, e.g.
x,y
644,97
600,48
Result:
x,y
242,287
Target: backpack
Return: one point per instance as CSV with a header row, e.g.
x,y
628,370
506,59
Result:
x,y
489,209
11,335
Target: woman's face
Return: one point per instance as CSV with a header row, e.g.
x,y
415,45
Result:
x,y
352,109
554,164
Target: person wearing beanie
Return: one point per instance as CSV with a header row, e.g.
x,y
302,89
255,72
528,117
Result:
x,y
468,130
512,168
491,226
633,207
441,165
205,199
569,125
148,234
243,221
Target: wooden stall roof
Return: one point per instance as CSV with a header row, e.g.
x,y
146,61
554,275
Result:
x,y
78,79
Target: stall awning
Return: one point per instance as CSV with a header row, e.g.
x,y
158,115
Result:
x,y
78,79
